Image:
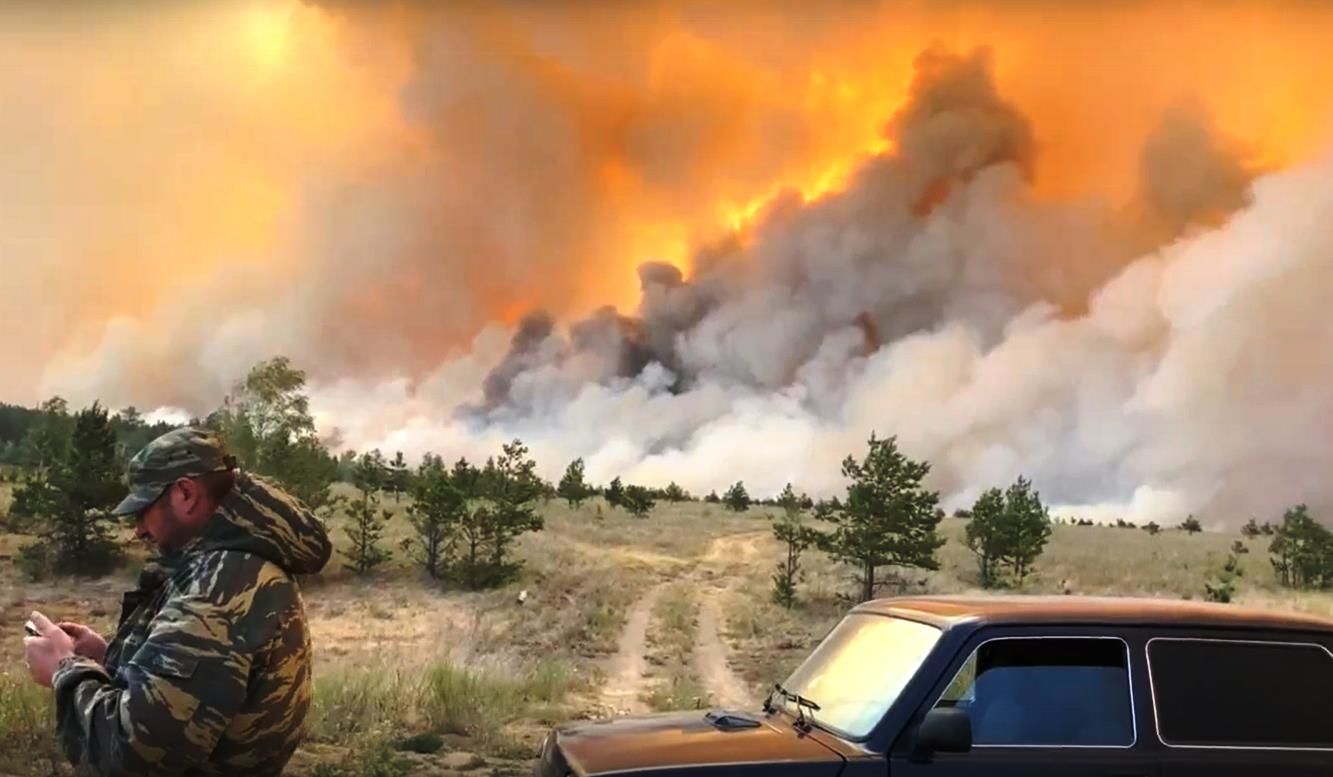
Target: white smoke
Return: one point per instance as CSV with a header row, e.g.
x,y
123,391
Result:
x,y
1197,378
1149,360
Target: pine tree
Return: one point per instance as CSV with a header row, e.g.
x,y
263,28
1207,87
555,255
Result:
x,y
368,519
796,537
1010,528
399,476
985,535
75,493
1191,525
435,515
615,493
471,529
48,439
1250,530
346,467
1028,527
737,498
888,518
712,498
638,501
573,487
513,488
1302,551
1152,528
674,493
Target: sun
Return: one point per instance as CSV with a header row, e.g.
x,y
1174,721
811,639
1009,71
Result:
x,y
265,28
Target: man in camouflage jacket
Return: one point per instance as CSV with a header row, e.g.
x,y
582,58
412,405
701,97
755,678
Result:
x,y
209,670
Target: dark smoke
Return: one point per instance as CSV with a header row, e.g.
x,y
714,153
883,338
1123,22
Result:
x,y
857,260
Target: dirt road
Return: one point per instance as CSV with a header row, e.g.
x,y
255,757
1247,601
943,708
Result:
x,y
625,682
716,570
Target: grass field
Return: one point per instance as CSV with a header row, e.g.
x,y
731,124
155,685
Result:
x,y
668,612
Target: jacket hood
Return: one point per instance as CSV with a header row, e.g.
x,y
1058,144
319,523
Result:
x,y
686,742
258,517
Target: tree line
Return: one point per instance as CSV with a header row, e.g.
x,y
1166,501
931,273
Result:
x,y
465,517
70,474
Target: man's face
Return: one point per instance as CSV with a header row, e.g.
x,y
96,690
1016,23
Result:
x,y
175,518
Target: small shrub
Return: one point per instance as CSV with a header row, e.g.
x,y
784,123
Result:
x,y
425,743
360,702
1223,588
549,681
475,704
35,561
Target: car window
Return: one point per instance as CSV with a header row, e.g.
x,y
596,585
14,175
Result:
x,y
1242,694
859,670
1058,692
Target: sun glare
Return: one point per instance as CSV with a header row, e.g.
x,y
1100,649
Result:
x,y
265,29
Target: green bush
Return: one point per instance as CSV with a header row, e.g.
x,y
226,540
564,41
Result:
x,y
35,561
425,743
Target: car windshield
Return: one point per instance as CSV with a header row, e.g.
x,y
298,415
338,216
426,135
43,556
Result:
x,y
858,671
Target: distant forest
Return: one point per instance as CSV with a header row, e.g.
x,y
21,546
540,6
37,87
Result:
x,y
22,428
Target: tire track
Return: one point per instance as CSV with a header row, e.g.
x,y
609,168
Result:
x,y
625,682
712,658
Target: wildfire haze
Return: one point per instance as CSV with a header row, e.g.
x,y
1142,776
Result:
x,y
1085,242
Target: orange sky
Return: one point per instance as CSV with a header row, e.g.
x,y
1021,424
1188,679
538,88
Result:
x,y
153,153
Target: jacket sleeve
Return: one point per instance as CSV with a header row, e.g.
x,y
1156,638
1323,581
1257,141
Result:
x,y
178,693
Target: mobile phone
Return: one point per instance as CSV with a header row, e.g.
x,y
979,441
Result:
x,y
31,629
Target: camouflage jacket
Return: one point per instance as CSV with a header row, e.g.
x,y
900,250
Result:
x,y
209,670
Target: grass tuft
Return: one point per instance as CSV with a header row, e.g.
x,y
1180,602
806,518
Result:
x,y
671,639
27,727
356,703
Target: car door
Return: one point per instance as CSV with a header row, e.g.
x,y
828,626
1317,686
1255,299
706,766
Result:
x,y
1040,705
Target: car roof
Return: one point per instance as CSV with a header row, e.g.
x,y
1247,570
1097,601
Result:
x,y
950,611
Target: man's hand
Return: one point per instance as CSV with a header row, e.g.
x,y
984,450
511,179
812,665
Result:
x,y
45,652
87,643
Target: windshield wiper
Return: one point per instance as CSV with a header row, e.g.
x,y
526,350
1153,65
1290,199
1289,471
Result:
x,y
802,704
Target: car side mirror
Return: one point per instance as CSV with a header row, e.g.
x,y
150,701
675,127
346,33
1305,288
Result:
x,y
944,730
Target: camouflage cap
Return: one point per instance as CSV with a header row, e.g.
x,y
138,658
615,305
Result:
x,y
180,453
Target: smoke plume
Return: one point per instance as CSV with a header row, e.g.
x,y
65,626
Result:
x,y
696,244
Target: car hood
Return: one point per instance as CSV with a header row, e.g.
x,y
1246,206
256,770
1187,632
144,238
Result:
x,y
685,741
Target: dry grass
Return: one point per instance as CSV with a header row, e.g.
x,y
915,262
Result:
x,y
1090,560
671,638
682,530
398,654
26,731
1107,560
